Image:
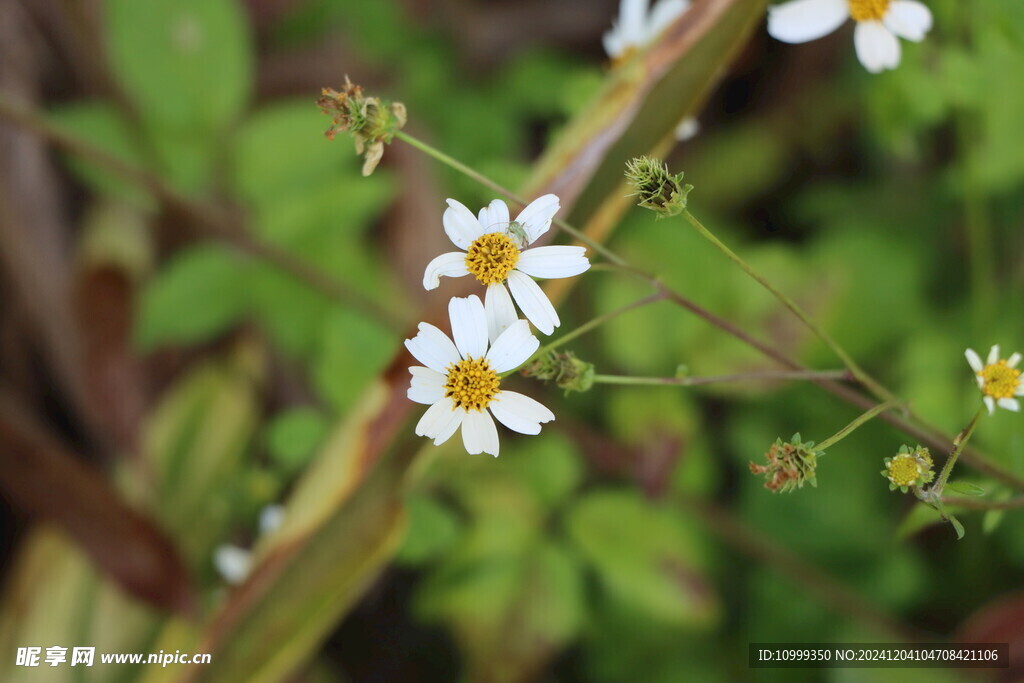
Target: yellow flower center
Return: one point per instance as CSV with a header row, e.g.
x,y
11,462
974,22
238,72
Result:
x,y
1001,381
491,257
472,384
904,470
868,10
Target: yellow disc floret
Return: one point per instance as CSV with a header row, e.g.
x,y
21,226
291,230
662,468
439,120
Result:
x,y
472,384
1000,380
491,257
868,10
903,470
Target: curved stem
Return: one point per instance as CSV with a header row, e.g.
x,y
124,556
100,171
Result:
x,y
958,446
976,504
863,377
848,429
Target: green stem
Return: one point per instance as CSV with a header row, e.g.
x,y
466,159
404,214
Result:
x,y
958,446
591,324
848,429
810,375
862,376
492,185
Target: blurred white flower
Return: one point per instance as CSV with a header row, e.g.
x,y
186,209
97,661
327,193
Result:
x,y
687,129
461,380
495,252
999,380
879,23
636,26
232,563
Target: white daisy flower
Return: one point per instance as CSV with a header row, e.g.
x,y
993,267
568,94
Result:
x,y
879,23
998,379
494,250
636,26
461,381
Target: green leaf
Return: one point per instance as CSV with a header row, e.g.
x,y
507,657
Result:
x,y
957,526
186,64
292,436
966,488
644,555
432,530
101,125
198,295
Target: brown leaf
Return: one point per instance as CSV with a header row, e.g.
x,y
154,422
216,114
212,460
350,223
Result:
x,y
39,476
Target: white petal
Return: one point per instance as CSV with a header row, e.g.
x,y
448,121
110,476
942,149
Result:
x,y
501,313
553,262
802,20
469,325
440,421
536,218
877,48
1010,404
452,264
990,404
232,563
662,14
1013,360
993,355
520,413
433,348
512,347
1020,390
614,42
426,385
687,129
632,18
461,225
533,302
974,360
494,217
271,517
479,435
908,19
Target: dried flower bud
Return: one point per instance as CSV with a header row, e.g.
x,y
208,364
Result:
x,y
564,368
791,464
370,121
910,468
658,190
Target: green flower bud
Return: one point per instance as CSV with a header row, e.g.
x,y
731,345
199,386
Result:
x,y
909,468
564,368
658,190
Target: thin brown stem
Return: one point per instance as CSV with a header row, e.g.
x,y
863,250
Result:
x,y
981,504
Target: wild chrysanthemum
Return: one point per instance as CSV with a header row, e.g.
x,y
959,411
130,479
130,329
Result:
x,y
879,22
999,379
909,468
461,381
495,252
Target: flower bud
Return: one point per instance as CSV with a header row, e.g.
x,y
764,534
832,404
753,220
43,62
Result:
x,y
370,121
791,464
564,368
910,468
657,189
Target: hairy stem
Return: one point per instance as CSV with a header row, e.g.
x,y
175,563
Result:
x,y
958,446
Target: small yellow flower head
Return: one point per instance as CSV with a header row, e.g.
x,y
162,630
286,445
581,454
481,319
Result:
x,y
564,368
909,468
658,190
999,379
791,464
370,121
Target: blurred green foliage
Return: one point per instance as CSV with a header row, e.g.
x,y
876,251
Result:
x,y
889,205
